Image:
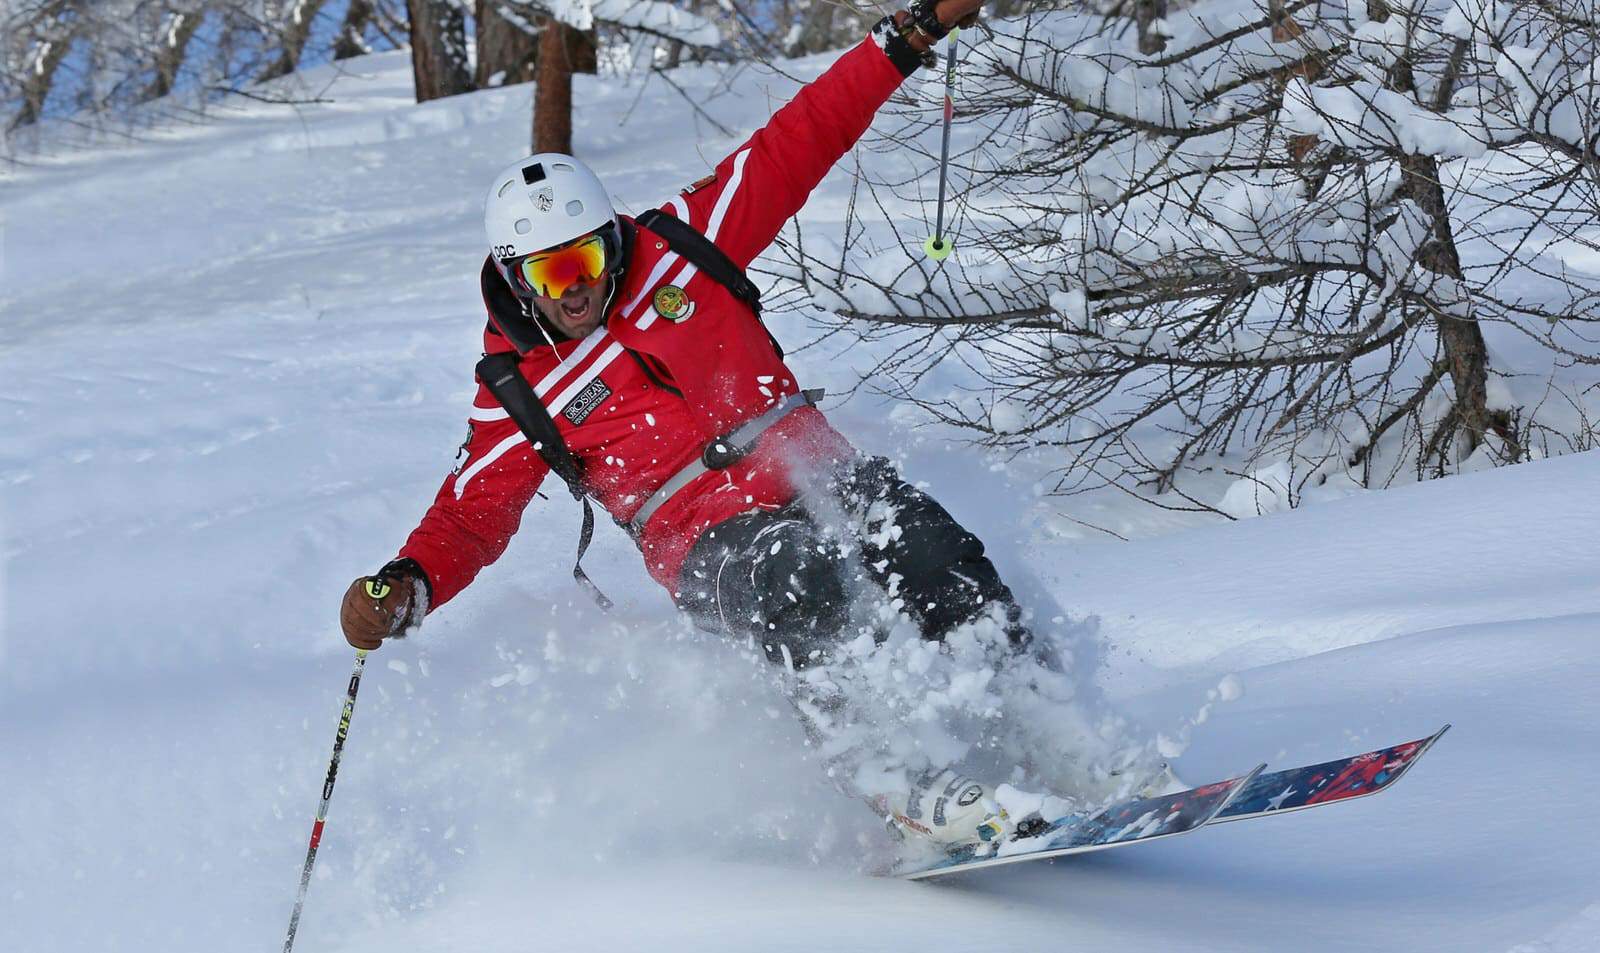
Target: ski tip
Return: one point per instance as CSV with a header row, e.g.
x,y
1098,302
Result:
x,y
939,247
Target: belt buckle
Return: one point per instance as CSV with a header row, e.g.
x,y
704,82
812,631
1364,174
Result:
x,y
720,455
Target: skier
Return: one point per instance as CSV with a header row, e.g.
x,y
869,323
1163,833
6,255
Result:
x,y
672,407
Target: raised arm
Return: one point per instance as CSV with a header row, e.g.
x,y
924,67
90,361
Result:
x,y
742,205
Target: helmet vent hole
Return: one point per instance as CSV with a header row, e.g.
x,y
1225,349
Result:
x,y
563,167
504,189
523,226
574,208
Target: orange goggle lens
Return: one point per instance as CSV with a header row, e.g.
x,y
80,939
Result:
x,y
549,274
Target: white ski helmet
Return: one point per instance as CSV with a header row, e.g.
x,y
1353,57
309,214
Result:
x,y
543,201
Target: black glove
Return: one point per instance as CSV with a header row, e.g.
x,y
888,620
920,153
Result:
x,y
934,18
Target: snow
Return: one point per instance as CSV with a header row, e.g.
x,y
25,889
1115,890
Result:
x,y
246,384
1365,116
1463,18
655,16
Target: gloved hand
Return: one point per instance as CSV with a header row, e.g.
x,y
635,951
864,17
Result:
x,y
926,22
961,13
383,606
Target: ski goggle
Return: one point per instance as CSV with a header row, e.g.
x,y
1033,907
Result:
x,y
550,273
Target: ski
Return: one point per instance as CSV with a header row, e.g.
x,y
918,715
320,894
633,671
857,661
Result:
x,y
1134,821
1256,794
1343,779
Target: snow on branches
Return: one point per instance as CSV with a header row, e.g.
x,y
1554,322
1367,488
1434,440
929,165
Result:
x,y
1282,236
655,17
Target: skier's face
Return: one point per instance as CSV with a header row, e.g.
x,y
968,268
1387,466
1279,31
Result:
x,y
578,312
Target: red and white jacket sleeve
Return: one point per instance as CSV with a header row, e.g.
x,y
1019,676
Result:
x,y
765,181
479,508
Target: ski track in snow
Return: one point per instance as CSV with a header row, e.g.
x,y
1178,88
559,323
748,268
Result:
x,y
257,391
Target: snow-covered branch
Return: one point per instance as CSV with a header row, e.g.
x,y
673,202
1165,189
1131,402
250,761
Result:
x,y
655,18
1282,235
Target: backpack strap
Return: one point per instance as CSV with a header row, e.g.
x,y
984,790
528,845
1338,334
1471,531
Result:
x,y
500,373
703,253
711,261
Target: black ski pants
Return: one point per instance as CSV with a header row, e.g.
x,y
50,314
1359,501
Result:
x,y
785,577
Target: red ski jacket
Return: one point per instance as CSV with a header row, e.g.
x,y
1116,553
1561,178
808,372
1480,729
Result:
x,y
667,373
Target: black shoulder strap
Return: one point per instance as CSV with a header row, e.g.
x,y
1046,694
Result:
x,y
704,254
500,374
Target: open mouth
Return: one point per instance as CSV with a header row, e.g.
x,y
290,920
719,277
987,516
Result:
x,y
575,309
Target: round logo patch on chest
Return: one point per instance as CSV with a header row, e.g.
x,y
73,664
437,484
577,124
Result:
x,y
672,303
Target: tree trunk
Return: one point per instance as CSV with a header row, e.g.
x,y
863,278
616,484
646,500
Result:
x,y
814,36
177,29
1145,14
1465,352
298,19
677,48
562,52
44,55
438,49
584,48
1286,30
504,47
351,40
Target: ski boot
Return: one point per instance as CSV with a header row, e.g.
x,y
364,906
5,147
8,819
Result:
x,y
950,811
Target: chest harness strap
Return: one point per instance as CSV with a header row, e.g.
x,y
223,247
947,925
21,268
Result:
x,y
500,374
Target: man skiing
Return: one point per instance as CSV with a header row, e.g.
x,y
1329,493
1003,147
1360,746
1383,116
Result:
x,y
673,409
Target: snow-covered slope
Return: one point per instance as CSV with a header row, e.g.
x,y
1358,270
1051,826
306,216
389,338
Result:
x,y
235,365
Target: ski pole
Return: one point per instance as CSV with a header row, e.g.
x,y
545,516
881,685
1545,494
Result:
x,y
938,246
327,785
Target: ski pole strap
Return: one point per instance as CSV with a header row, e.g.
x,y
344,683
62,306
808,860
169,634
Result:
x,y
501,374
